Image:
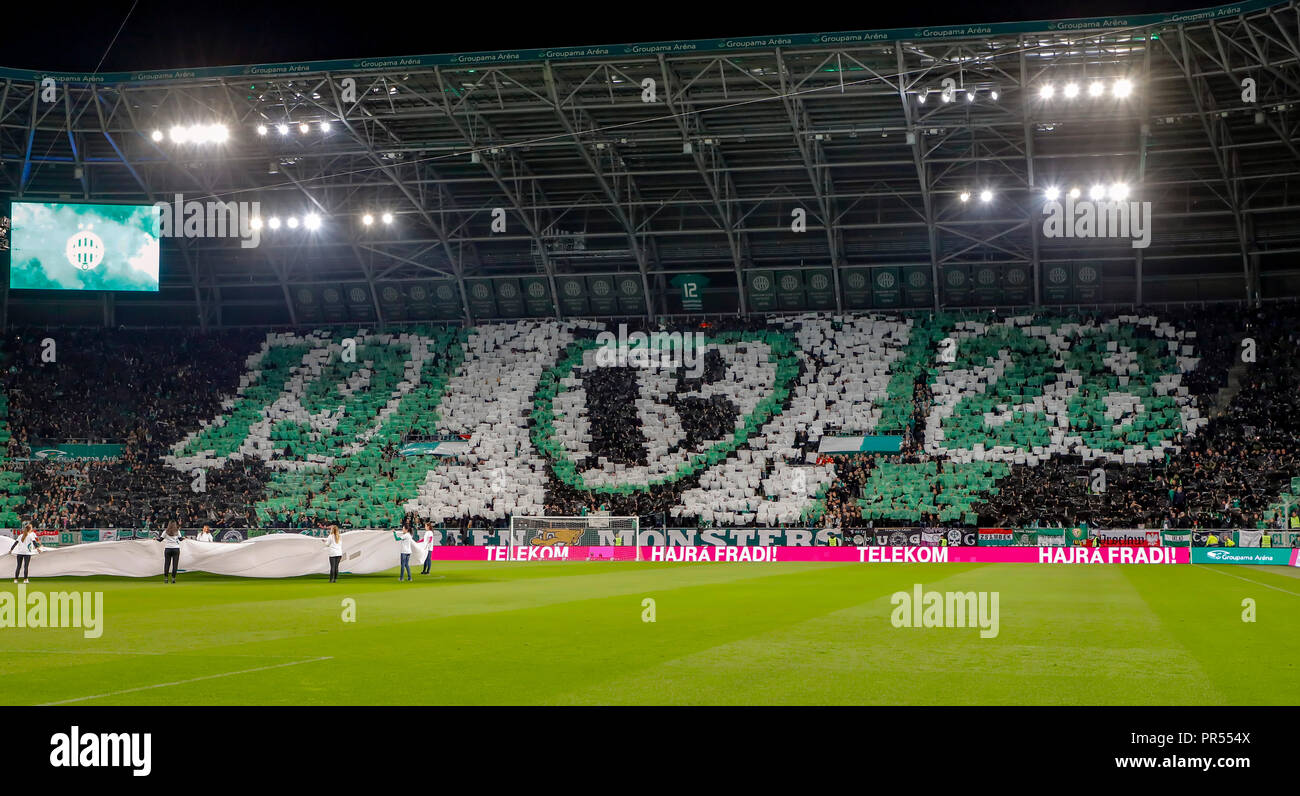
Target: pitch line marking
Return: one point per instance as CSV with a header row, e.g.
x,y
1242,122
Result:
x,y
1248,580
191,680
121,652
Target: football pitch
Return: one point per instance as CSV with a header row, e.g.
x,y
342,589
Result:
x,y
577,633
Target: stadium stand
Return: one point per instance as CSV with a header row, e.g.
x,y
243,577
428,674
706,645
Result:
x,y
1004,421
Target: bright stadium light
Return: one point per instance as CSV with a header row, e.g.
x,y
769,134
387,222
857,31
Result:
x,y
1075,193
367,219
1071,90
261,129
304,128
312,221
1118,192
923,96
1096,88
156,135
219,133
292,222
256,223
324,127
993,95
986,196
1047,91
274,223
179,135
1122,88
282,129
964,196
1052,194
387,218
970,96
1097,193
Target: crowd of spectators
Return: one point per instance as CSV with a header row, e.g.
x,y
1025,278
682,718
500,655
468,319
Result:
x,y
141,390
1225,476
145,391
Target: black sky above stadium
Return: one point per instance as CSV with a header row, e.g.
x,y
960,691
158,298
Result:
x,y
157,34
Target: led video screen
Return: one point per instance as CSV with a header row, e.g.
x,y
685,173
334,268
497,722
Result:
x,y
61,246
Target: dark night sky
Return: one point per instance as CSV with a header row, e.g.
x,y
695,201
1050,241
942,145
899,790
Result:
x,y
158,35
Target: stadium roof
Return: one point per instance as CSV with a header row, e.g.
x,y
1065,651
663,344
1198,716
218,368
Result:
x,y
654,160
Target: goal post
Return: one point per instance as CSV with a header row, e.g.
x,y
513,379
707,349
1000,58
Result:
x,y
615,538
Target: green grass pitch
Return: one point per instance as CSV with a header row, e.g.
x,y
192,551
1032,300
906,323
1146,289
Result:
x,y
573,633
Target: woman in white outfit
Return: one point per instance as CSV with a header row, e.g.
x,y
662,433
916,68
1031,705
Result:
x,y
26,544
205,535
427,539
334,546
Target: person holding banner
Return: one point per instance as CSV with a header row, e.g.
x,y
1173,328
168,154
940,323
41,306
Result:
x,y
405,538
171,539
427,541
334,547
27,544
205,535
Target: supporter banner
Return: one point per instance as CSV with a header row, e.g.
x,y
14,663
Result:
x,y
1176,538
856,285
1223,555
986,283
761,290
573,294
996,537
76,452
446,299
1056,283
1017,285
1087,281
601,295
886,289
789,290
306,301
917,291
481,297
1128,536
443,448
901,537
360,307
691,289
819,288
864,555
875,443
537,296
631,299
392,301
956,284
332,309
1225,538
510,299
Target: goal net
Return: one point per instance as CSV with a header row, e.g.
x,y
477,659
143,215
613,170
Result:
x,y
605,537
